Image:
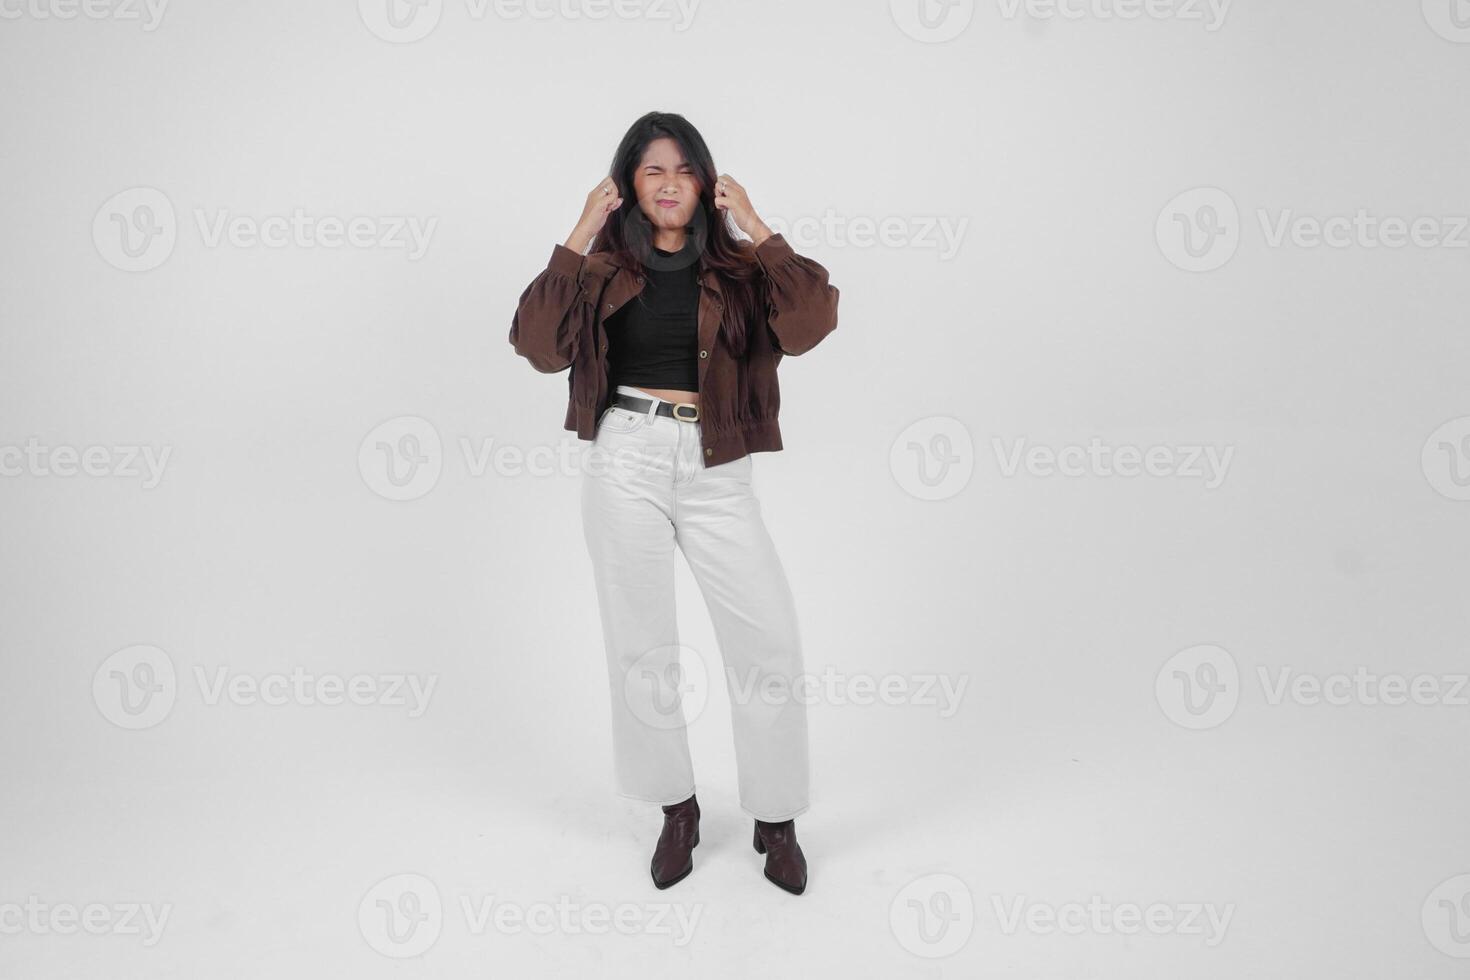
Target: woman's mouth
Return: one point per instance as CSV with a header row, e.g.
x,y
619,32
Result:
x,y
666,203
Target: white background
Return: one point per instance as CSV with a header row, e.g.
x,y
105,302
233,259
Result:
x,y
1335,540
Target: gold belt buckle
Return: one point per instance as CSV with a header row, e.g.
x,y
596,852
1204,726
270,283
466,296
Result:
x,y
686,418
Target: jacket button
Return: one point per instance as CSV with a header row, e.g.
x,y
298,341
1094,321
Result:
x,y
640,278
709,452
704,353
609,306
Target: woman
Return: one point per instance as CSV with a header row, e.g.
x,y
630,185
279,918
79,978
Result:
x,y
672,329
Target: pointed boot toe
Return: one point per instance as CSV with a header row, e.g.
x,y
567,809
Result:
x,y
785,862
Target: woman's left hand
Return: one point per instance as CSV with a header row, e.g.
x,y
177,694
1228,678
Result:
x,y
731,197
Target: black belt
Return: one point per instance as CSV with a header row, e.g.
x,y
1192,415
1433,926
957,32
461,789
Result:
x,y
683,411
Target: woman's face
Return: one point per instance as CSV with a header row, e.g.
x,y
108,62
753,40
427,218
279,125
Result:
x,y
665,185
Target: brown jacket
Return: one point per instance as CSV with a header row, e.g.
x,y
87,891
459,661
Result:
x,y
559,324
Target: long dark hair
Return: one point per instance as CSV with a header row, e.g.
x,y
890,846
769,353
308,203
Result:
x,y
628,234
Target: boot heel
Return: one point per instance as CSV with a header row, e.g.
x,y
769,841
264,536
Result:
x,y
760,845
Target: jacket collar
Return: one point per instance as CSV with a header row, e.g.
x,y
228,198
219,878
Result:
x,y
611,269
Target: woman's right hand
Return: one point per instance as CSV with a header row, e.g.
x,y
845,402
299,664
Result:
x,y
602,201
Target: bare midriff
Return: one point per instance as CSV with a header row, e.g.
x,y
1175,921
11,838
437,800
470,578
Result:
x,y
673,395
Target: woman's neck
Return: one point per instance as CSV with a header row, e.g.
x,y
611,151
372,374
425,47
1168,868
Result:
x,y
669,239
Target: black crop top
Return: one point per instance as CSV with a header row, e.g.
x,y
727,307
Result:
x,y
653,339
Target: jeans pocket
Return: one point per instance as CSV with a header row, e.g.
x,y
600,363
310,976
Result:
x,y
616,419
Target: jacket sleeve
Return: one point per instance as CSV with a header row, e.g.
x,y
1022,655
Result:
x,y
546,327
801,304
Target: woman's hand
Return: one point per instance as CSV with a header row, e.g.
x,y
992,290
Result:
x,y
602,201
731,198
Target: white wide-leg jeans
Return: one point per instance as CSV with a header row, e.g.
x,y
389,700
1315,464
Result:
x,y
645,488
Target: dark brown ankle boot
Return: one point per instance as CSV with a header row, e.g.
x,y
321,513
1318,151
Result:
x,y
785,864
673,858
